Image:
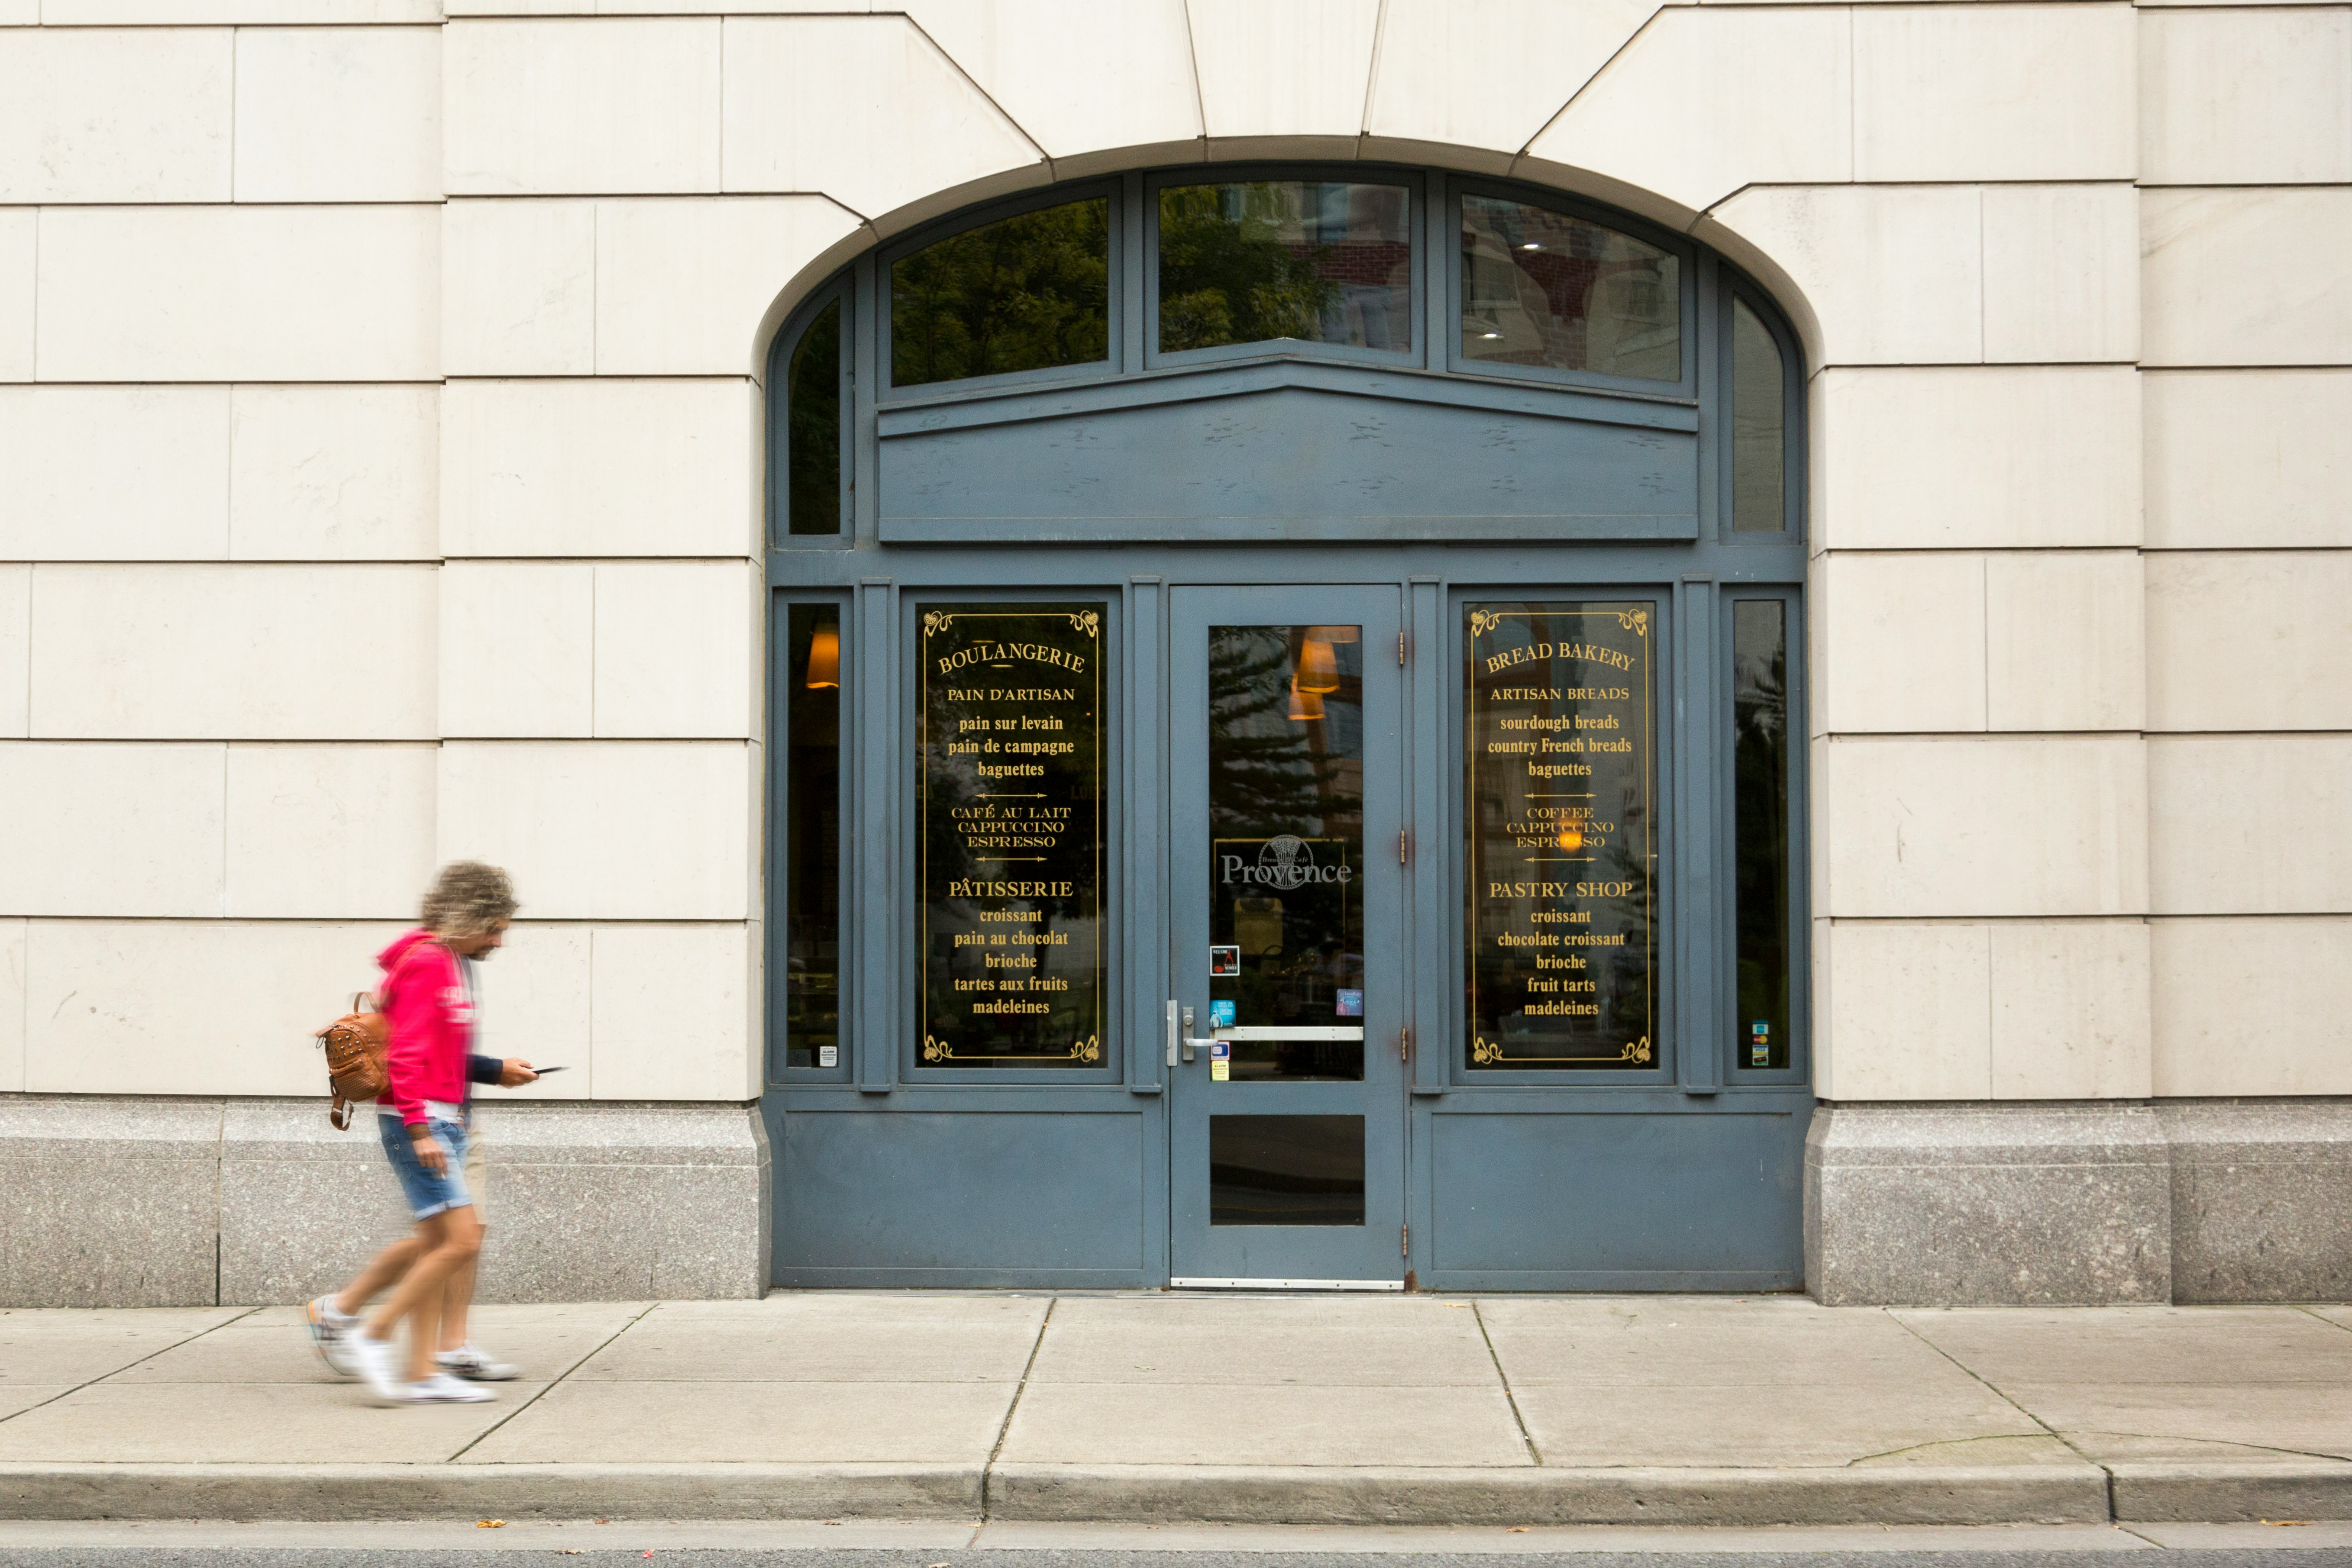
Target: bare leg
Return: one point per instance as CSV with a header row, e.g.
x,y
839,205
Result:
x,y
456,1297
386,1267
454,1237
423,1333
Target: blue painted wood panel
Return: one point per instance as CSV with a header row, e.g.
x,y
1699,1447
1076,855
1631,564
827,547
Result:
x,y
1290,452
982,1195
1574,1197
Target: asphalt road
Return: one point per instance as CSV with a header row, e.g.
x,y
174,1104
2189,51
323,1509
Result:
x,y
102,1556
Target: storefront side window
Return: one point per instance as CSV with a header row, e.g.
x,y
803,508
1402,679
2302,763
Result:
x,y
1760,720
812,838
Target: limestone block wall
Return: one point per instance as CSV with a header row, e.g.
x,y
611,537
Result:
x,y
380,477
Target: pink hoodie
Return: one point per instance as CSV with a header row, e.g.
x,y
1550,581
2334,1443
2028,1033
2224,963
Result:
x,y
432,1025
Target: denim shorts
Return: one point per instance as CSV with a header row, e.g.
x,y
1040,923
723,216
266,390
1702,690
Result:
x,y
428,1194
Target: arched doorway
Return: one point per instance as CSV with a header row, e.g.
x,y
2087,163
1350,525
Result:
x,y
1281,763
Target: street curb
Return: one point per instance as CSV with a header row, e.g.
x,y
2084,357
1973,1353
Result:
x,y
2052,1494
2158,1492
478,1492
1155,1494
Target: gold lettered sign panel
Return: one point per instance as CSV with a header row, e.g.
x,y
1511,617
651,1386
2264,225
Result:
x,y
1011,789
1561,783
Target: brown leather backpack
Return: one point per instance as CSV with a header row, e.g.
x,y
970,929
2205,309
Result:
x,y
355,1045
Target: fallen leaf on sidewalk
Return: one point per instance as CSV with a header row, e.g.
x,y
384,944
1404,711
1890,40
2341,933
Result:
x,y
2286,1522
1517,1530
489,1524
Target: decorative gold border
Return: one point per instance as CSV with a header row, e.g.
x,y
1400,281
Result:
x,y
1631,617
1087,623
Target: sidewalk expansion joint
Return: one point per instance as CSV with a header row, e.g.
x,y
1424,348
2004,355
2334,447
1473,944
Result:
x,y
1004,1428
544,1387
1982,1382
1478,1316
117,1372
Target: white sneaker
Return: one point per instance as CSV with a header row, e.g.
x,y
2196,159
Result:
x,y
443,1389
377,1361
471,1361
331,1333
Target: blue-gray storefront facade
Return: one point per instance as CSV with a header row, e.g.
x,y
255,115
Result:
x,y
1336,632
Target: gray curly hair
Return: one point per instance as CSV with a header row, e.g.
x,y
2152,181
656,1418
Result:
x,y
467,899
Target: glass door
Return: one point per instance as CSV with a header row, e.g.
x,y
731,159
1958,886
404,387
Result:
x,y
1288,1112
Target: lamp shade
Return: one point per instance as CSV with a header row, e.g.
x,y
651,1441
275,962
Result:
x,y
1318,669
824,659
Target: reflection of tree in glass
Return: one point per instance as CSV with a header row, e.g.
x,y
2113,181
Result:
x,y
1024,293
1266,775
1232,279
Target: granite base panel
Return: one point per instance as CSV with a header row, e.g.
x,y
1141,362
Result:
x,y
173,1202
2079,1203
2261,1199
124,1202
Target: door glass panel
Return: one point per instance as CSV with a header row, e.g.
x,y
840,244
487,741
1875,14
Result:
x,y
1561,779
1010,791
1024,293
1542,288
812,839
1286,846
1286,1170
1316,261
1760,740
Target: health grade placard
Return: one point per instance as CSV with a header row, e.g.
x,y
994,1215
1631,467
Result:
x,y
1560,773
1010,794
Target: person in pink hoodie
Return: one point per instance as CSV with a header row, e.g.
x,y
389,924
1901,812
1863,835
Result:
x,y
428,995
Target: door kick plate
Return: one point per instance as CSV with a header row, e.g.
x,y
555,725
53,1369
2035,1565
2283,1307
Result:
x,y
1180,1283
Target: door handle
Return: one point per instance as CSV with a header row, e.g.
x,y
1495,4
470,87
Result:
x,y
1180,1044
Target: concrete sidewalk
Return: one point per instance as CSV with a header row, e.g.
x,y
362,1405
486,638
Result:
x,y
1322,1410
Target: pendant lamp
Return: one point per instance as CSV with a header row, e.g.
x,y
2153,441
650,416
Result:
x,y
825,659
1318,667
